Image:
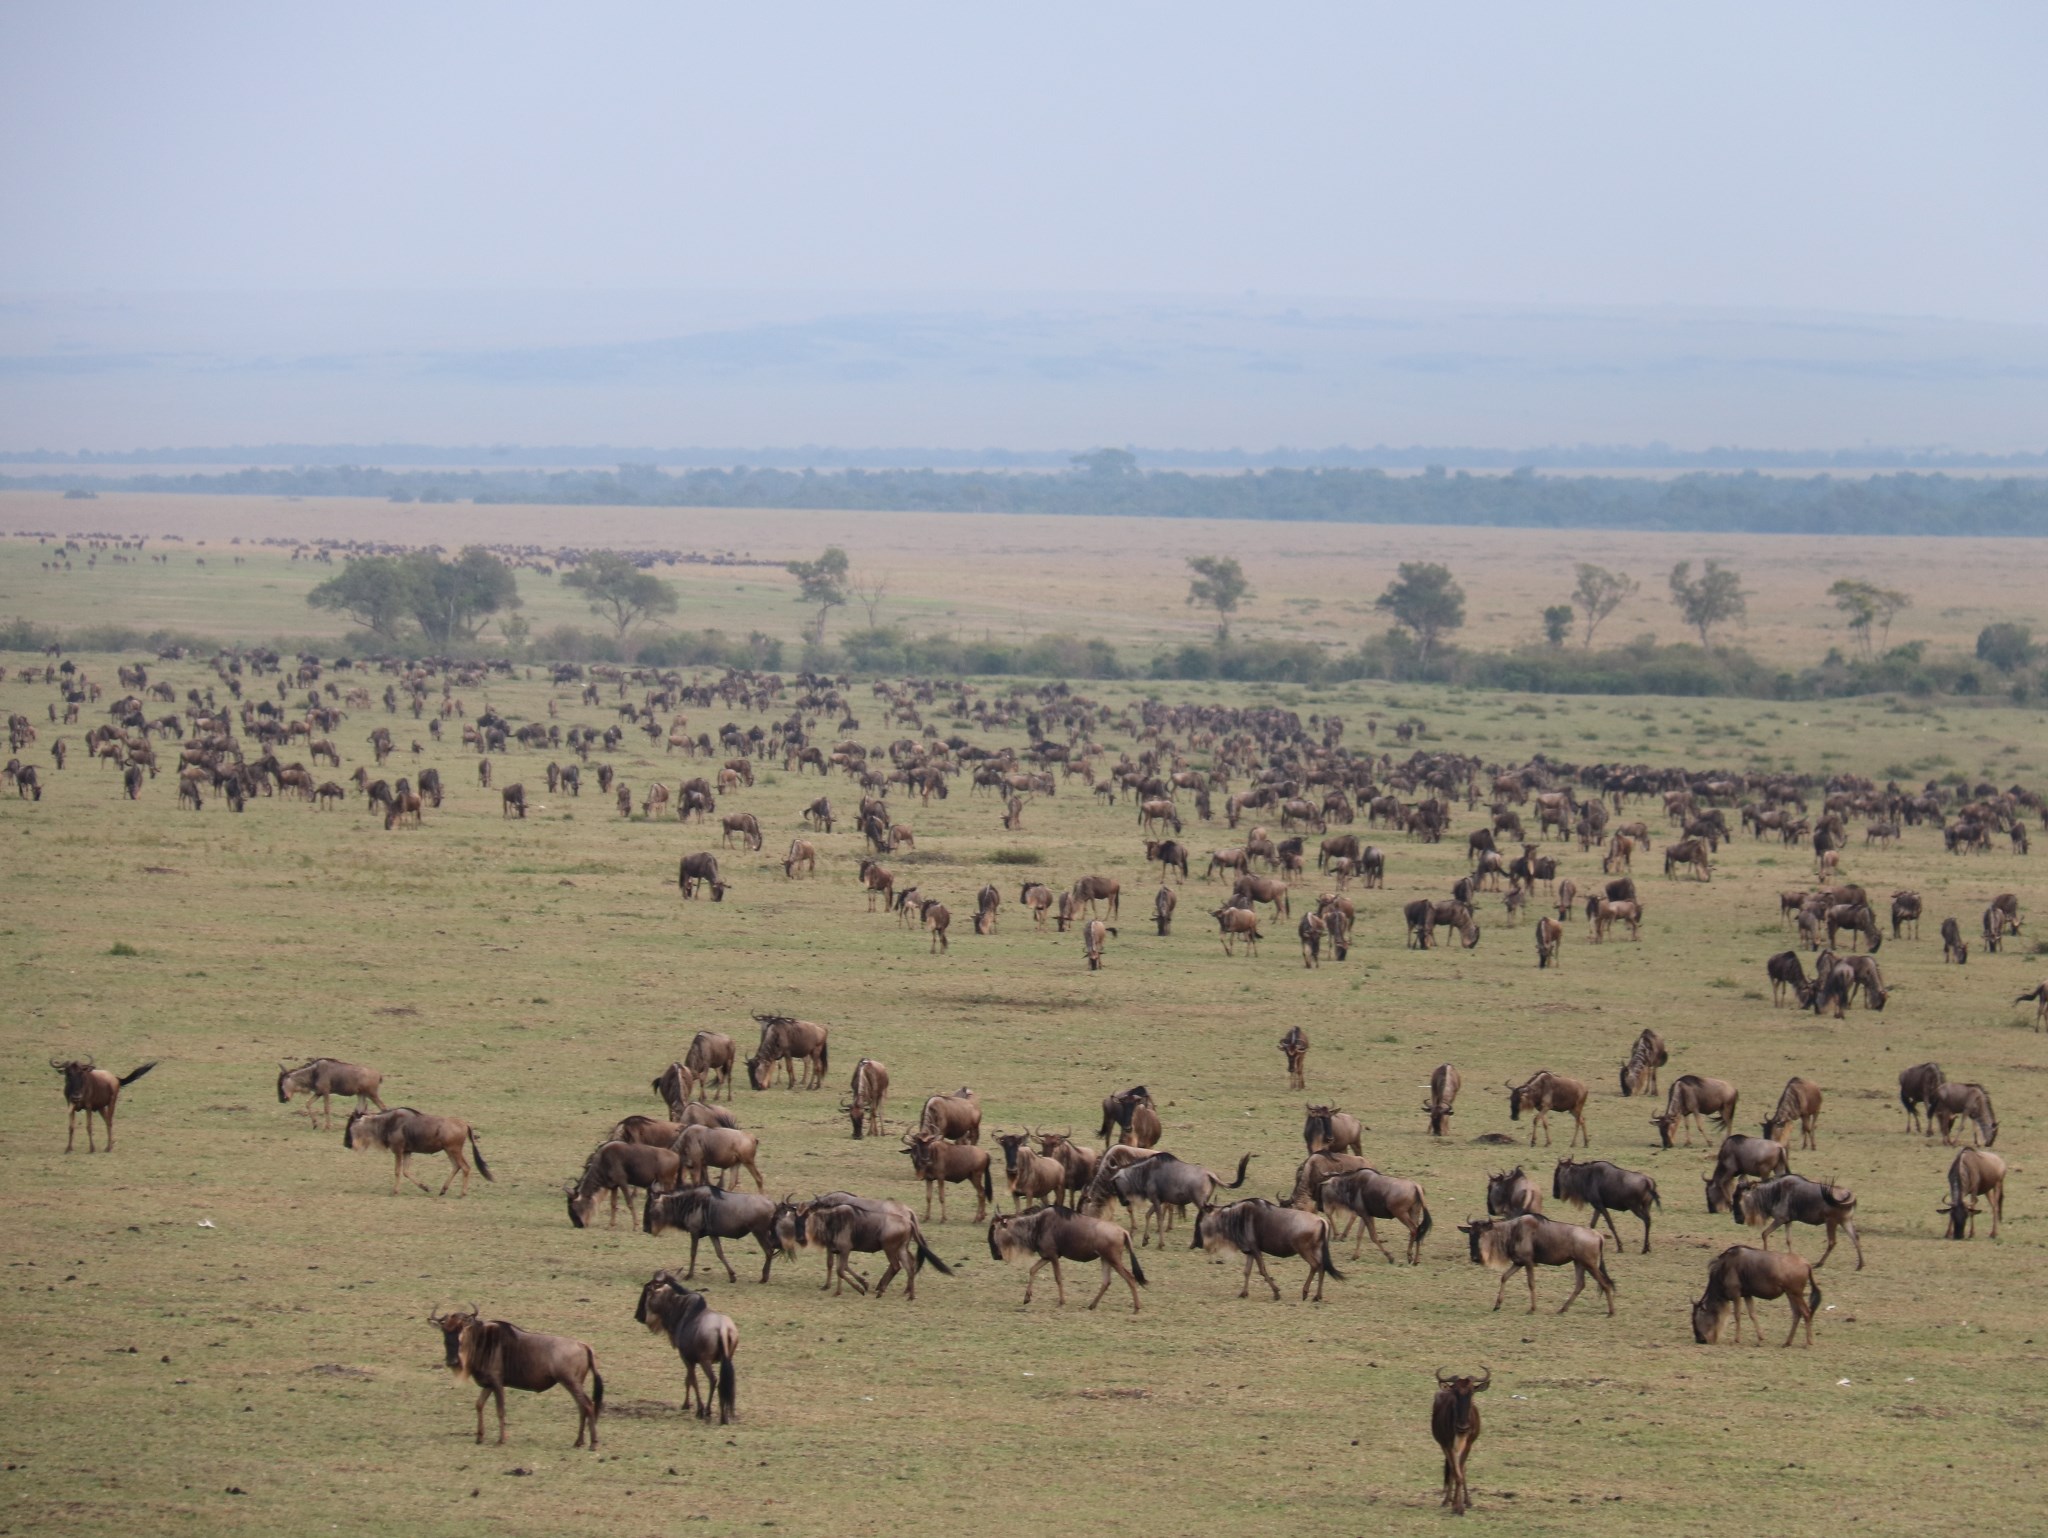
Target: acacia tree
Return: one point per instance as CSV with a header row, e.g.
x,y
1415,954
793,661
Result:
x,y
1220,584
1599,593
375,591
1868,607
822,582
619,590
1426,599
453,600
1715,597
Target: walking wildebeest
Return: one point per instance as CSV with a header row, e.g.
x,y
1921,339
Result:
x,y
786,1041
1090,890
1975,1172
496,1356
404,1132
1800,1102
1256,1228
703,1148
1048,1235
1692,1099
864,1103
1454,1422
702,1338
1508,1245
1774,1204
1739,1155
322,1079
1949,1102
1166,1183
1606,1187
95,1091
708,1212
1163,904
1544,1092
840,1224
614,1167
938,1163
1645,1057
1739,1276
1294,1047
1444,1083
1368,1194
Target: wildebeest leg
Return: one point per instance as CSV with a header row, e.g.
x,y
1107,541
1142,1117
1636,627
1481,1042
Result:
x,y
480,1399
898,1262
1644,1214
586,1412
691,1393
1060,1281
1855,1239
1578,1285
1501,1291
73,1138
500,1393
455,1163
718,1249
1265,1276
1372,1232
398,1168
1602,1212
1031,1278
1799,1312
1750,1304
1579,1116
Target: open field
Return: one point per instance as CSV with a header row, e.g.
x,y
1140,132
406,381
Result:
x,y
221,1327
1009,576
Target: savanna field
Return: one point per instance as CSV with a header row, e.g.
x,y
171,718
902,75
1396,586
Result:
x,y
222,1327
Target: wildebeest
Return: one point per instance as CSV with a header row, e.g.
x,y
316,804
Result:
x,y
1785,973
512,803
1549,942
707,1212
1078,1161
1369,1194
1030,1177
1916,1088
1165,1183
726,1149
404,1132
1739,1276
1094,937
1234,924
786,1040
701,870
840,1224
746,825
1953,946
1947,1102
1294,1047
322,1079
1691,1099
864,1100
1606,1188
1544,1092
1799,1101
1510,1193
1048,1235
938,918
1739,1155
1774,1204
709,1061
1090,890
496,1356
1645,1057
1454,1422
1905,910
956,1116
95,1091
1444,1083
1508,1245
801,852
616,1167
702,1338
1974,1173
2039,999
937,1163
1256,1228
1130,1117
1311,930
1163,903
1326,1128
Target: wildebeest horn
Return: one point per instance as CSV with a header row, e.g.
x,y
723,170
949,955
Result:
x,y
1440,1376
1488,1379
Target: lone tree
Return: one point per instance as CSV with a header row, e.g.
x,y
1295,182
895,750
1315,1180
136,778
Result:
x,y
621,591
1557,623
822,582
1714,598
1599,593
1426,599
375,591
450,601
1867,607
1219,583
871,588
2006,646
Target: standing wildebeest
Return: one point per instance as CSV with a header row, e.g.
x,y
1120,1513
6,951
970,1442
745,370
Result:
x,y
1916,1088
1094,935
1605,1187
1975,1172
956,1116
703,1148
322,1078
1645,1057
1739,1154
1508,1245
1948,1102
1256,1228
1311,929
701,1337
707,1212
747,826
701,869
988,902
1077,1160
839,1225
2039,999
1037,897
93,1090
1691,1099
615,1167
708,1061
1049,1235
1785,973
1775,1204
496,1356
1444,1083
1543,1093
1511,1193
513,803
1368,1194
1234,924
1905,910
1549,941
1130,1117
1294,1047
877,882
785,1040
1953,946
864,1103
405,1132
1800,1102
1171,855
801,852
1030,1177
1090,890
938,918
1327,1129
937,1163
1454,1422
1739,1276
1165,1183
1163,904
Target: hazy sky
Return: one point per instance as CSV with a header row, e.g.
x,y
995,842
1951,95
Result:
x,y
1861,157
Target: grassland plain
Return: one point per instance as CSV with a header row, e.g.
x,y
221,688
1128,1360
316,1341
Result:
x,y
221,1327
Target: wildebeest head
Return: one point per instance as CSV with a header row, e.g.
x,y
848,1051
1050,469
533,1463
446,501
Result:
x,y
451,1325
1438,1115
1706,1317
348,1133
284,1084
1958,1215
76,1072
1012,1142
1514,1102
759,1072
1476,1232
1464,1388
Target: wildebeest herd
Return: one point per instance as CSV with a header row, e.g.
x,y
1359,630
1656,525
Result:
x,y
1272,780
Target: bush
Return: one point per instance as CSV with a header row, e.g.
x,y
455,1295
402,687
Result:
x,y
1016,857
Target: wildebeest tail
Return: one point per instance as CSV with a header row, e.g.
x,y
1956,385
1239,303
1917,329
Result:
x,y
596,1379
1241,1163
728,1388
476,1148
925,1257
1654,1197
131,1078
1812,1292
1112,930
988,1185
1605,1280
1428,1223
825,1056
1137,1270
1329,1266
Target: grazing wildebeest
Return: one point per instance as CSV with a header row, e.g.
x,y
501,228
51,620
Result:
x,y
95,1091
1549,940
726,1149
1949,1102
1048,1235
818,815
1454,1422
864,1102
1606,1188
1905,910
1095,934
1916,1088
1294,1047
1164,1182
322,1079
1444,1083
937,1163
496,1356
701,869
1508,1245
707,1212
709,1061
404,1132
747,826
1544,1092
785,1040
1327,1129
616,1167
1953,946
1739,1276
988,903
1774,1204
1975,1172
801,852
840,1224
1739,1155
1511,1193
1369,1194
1256,1228
1692,1099
1130,1117
1785,973
1163,903
1645,1056
1800,1102
1311,930
1036,896
512,803
702,1338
